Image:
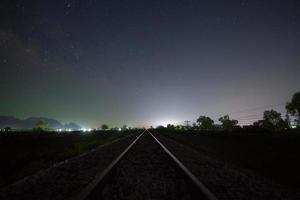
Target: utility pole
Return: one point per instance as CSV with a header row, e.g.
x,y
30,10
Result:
x,y
187,123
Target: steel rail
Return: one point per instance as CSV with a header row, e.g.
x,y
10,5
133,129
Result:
x,y
87,192
199,188
205,192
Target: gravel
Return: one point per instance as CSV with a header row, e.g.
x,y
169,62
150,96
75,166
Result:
x,y
225,180
66,179
146,172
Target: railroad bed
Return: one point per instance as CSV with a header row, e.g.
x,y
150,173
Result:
x,y
65,180
145,171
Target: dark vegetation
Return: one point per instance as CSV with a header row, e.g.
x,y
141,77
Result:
x,y
272,121
104,126
269,146
293,107
272,155
24,153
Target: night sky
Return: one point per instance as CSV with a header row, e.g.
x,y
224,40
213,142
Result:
x,y
147,62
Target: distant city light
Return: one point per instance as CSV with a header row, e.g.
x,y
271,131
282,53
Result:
x,y
166,122
86,129
69,130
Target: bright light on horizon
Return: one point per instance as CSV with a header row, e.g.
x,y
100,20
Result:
x,y
86,129
166,122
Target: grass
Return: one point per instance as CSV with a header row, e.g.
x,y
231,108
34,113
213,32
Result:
x,y
273,155
24,153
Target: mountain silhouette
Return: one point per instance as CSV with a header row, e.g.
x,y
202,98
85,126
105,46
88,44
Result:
x,y
29,123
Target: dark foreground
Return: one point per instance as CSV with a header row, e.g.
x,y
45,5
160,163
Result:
x,y
24,153
147,174
272,155
67,179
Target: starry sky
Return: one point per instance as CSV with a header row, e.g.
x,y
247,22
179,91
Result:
x,y
142,63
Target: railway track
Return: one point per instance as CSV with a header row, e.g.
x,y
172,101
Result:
x,y
146,169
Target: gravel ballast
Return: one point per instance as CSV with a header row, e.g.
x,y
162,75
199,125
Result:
x,y
225,180
146,172
68,178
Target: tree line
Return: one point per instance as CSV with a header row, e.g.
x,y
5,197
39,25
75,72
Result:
x,y
272,120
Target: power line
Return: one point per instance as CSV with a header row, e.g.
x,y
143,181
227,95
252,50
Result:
x,y
250,109
187,123
250,118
